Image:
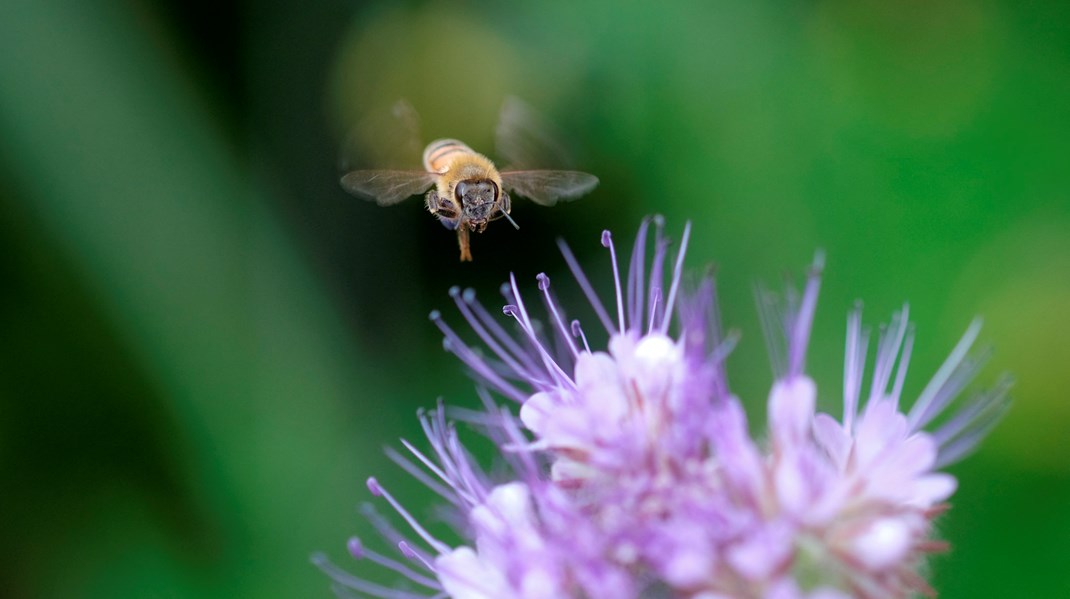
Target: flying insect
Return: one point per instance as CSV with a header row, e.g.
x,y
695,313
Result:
x,y
464,189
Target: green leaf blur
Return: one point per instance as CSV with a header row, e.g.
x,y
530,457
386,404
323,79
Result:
x,y
205,342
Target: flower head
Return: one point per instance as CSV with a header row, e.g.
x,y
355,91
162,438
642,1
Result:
x,y
633,469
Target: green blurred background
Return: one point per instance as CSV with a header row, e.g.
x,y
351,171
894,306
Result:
x,y
205,342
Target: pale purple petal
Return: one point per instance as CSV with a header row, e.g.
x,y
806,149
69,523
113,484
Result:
x,y
883,544
631,470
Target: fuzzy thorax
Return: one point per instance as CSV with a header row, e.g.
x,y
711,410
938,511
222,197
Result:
x,y
465,167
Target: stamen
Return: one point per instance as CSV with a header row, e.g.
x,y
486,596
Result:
x,y
958,381
378,490
657,266
607,242
455,462
854,360
725,347
655,296
408,552
452,481
464,302
699,320
888,349
971,412
713,315
488,402
459,460
418,474
961,435
512,436
520,313
359,584
804,318
577,331
494,422
531,330
942,376
384,527
636,277
460,349
904,364
677,274
544,286
588,291
358,551
500,333
773,329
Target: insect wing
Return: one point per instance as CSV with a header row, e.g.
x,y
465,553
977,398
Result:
x,y
547,187
385,138
525,140
387,187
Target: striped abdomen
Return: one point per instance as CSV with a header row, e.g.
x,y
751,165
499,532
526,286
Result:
x,y
442,152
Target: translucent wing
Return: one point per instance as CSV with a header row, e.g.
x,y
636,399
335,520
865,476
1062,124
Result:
x,y
547,187
387,187
525,140
384,138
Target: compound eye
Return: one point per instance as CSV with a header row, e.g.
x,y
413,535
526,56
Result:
x,y
485,191
461,190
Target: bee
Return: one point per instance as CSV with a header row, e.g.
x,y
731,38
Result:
x,y
464,190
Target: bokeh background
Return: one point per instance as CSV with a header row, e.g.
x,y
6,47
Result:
x,y
205,343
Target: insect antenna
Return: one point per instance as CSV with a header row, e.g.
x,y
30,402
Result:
x,y
510,219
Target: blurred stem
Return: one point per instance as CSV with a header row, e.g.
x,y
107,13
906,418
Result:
x,y
132,179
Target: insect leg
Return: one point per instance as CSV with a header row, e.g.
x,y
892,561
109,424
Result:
x,y
443,208
462,240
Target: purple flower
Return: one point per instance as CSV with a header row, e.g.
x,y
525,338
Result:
x,y
632,471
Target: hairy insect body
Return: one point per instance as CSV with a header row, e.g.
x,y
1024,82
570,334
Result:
x,y
463,188
468,190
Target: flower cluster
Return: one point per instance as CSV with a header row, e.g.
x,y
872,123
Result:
x,y
633,472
